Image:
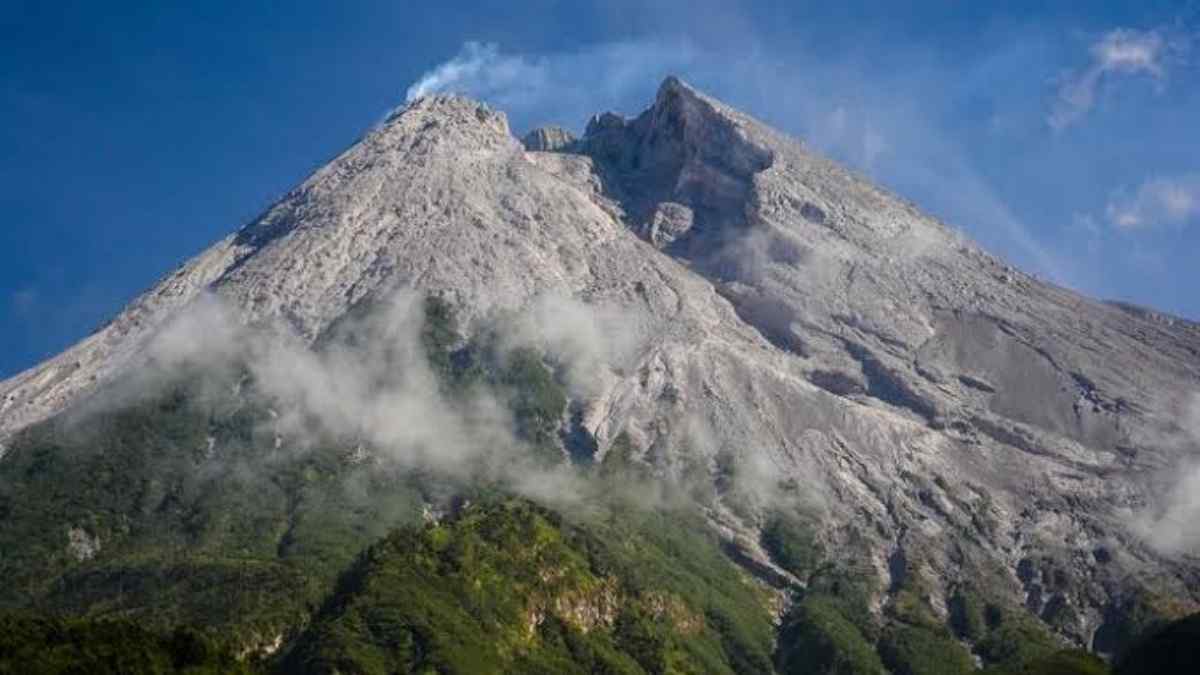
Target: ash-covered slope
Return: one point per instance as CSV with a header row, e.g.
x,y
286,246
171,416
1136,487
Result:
x,y
952,424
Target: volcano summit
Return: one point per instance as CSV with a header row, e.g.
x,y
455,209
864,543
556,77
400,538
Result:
x,y
818,426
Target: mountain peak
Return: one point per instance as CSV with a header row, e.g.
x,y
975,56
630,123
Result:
x,y
451,108
674,97
674,85
938,405
604,122
673,82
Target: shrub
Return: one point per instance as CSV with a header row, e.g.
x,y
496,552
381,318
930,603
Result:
x,y
818,639
1174,648
1066,662
33,644
791,544
918,650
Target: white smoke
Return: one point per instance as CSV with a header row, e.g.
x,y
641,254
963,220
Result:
x,y
1174,526
483,71
564,87
480,70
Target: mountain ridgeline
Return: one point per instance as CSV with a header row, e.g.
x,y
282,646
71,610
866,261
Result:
x,y
676,396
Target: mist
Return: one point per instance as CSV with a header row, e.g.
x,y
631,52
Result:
x,y
369,386
1172,527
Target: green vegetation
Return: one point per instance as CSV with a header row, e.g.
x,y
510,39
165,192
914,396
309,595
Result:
x,y
967,615
621,467
1066,662
916,641
38,645
1015,638
831,628
850,590
921,650
182,488
1005,637
817,639
439,336
519,376
1174,648
176,507
791,543
538,401
1137,615
237,537
512,587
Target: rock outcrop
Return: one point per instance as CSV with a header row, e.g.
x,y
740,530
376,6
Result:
x,y
548,139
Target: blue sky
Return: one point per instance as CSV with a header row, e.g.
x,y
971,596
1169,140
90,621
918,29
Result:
x,y
133,135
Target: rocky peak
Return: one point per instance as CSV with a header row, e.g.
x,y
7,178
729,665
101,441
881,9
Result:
x,y
548,139
450,109
604,122
431,128
686,151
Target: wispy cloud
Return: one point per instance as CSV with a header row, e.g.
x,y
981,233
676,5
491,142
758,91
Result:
x,y
1172,201
1123,51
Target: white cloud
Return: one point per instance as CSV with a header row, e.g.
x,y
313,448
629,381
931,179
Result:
x,y
1173,201
1130,51
1122,51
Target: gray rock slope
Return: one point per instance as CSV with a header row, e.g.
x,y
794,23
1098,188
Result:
x,y
943,414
